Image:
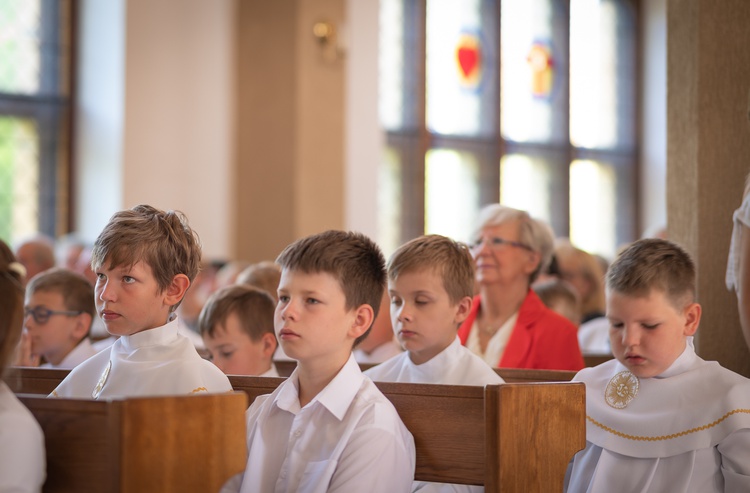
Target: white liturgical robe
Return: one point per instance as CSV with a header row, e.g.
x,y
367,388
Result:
x,y
83,351
349,438
153,362
685,430
22,457
455,365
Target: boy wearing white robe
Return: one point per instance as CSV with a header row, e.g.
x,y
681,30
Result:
x,y
327,428
145,260
431,284
236,324
660,418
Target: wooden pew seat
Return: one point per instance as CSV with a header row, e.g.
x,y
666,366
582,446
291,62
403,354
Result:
x,y
157,444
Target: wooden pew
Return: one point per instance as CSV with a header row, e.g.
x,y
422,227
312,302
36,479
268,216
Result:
x,y
44,381
530,430
158,444
510,438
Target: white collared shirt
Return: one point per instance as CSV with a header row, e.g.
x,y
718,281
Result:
x,y
686,430
22,457
156,361
83,351
455,365
349,438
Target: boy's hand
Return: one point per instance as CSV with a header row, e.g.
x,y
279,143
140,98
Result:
x,y
24,357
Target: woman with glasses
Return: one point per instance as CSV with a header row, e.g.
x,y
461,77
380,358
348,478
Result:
x,y
509,326
22,463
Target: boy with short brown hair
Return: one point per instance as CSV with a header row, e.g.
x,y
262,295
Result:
x,y
236,324
327,427
145,260
431,283
660,418
58,313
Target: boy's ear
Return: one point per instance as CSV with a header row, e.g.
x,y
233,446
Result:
x,y
269,344
82,326
692,318
364,315
176,290
462,309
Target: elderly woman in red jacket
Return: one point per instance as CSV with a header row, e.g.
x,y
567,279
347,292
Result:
x,y
509,326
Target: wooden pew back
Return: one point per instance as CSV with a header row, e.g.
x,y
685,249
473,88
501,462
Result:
x,y
158,444
511,438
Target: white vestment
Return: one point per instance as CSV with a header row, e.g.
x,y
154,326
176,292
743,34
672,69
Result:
x,y
455,365
22,456
153,362
83,351
685,430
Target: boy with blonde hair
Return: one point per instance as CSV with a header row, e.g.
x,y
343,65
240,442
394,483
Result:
x,y
236,324
327,427
431,283
660,418
58,313
145,260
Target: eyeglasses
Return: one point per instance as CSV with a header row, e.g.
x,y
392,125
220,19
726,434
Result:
x,y
42,315
497,243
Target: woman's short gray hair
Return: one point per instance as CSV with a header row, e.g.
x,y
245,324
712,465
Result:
x,y
532,232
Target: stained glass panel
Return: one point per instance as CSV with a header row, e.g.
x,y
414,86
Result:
x,y
460,68
19,178
20,43
534,74
602,64
451,193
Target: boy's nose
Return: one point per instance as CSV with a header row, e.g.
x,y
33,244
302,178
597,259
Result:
x,y
630,336
106,292
402,315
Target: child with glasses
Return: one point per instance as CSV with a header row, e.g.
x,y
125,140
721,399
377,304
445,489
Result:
x,y
22,450
145,260
58,313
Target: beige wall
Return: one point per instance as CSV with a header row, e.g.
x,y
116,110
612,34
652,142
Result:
x,y
290,126
708,151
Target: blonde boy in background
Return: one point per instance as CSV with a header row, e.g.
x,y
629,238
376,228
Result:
x,y
431,284
236,324
660,418
327,428
145,260
58,313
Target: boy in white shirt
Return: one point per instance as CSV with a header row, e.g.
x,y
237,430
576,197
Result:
x,y
431,284
236,324
660,418
58,313
327,428
145,260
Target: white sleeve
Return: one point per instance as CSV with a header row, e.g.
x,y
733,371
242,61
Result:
x,y
735,461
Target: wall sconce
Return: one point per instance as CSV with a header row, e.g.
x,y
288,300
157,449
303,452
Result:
x,y
329,41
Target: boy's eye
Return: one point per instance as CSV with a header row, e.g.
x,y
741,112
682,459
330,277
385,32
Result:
x,y
650,326
128,279
421,301
101,276
395,301
312,301
616,325
283,298
226,355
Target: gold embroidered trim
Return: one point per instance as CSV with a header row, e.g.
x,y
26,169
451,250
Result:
x,y
665,437
54,394
199,389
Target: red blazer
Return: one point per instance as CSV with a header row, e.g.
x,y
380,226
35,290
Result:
x,y
541,338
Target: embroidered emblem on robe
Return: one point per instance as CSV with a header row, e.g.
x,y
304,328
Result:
x,y
102,380
621,390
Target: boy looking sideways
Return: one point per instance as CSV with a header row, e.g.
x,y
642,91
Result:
x,y
145,260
